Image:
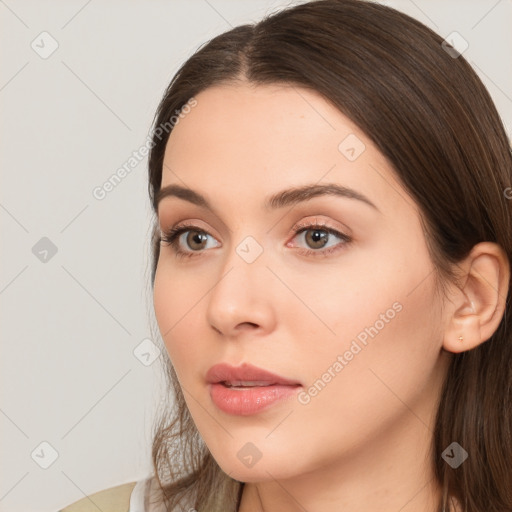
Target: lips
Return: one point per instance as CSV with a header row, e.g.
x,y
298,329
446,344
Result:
x,y
245,375
246,390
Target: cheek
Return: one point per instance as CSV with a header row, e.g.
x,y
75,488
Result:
x,y
386,285
386,339
337,302
176,293
177,299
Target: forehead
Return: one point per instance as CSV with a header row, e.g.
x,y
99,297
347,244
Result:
x,y
250,140
262,118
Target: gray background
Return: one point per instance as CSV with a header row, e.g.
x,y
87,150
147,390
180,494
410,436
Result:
x,y
72,320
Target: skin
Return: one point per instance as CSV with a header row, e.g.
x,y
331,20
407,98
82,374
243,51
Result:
x,y
363,442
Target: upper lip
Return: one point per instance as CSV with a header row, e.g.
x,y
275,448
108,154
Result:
x,y
224,372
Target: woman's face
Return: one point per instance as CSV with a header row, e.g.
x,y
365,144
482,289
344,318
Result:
x,y
354,322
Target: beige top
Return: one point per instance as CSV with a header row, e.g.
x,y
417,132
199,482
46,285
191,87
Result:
x,y
114,499
130,497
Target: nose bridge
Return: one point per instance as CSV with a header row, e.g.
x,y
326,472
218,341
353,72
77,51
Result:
x,y
241,293
245,256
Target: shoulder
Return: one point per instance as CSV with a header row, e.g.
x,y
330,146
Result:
x,y
114,499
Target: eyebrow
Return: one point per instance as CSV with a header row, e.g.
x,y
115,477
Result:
x,y
288,197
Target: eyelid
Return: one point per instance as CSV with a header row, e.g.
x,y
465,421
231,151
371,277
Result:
x,y
320,223
192,225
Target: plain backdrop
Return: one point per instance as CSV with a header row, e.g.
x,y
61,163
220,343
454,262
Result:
x,y
79,83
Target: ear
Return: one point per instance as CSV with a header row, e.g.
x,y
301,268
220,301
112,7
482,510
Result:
x,y
479,303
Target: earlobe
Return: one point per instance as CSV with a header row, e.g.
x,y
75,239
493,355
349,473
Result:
x,y
463,334
479,305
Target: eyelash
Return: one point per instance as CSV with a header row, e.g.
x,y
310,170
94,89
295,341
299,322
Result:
x,y
171,238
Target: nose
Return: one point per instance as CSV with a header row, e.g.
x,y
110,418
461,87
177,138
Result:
x,y
241,299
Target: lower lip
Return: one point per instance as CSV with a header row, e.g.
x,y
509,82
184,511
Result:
x,y
250,400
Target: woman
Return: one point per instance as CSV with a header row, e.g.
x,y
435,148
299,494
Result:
x,y
331,272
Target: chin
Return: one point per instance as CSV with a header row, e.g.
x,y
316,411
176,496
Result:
x,y
248,475
265,469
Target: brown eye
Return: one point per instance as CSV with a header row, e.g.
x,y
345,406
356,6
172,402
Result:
x,y
316,238
319,239
187,240
196,240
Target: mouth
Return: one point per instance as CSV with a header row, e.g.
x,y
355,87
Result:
x,y
247,390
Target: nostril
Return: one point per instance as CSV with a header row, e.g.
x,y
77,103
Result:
x,y
248,324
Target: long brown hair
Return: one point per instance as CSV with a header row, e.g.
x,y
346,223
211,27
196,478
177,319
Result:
x,y
430,115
